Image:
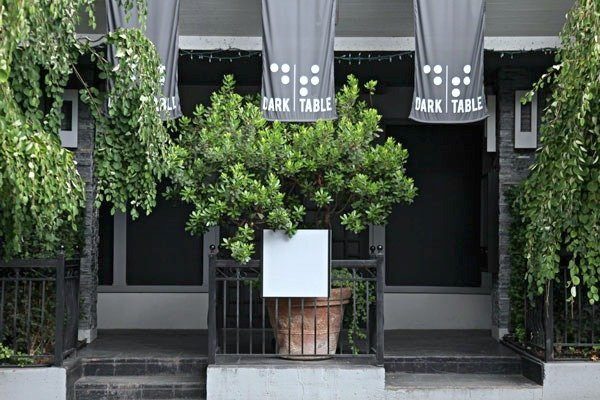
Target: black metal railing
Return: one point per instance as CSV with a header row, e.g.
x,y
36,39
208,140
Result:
x,y
39,310
559,326
243,324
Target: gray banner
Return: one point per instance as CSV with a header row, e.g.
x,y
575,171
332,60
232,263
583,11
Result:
x,y
298,82
449,61
162,28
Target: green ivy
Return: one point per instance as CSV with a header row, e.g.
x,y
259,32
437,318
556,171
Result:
x,y
41,192
560,200
518,267
10,357
355,317
238,170
132,142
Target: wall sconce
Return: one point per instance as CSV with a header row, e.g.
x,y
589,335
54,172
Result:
x,y
490,124
526,121
69,123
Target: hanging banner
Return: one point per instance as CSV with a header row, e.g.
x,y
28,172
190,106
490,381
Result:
x,y
298,83
449,61
162,29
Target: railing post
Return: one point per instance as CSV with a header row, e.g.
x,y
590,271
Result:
x,y
60,310
549,322
380,314
212,304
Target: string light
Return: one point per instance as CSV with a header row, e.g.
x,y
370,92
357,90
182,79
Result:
x,y
349,58
234,54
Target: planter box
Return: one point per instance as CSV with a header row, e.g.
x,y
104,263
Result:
x,y
33,383
571,380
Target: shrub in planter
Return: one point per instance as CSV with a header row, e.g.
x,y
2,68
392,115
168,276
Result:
x,y
247,174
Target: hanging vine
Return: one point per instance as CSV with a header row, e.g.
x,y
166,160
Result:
x,y
41,192
132,142
560,200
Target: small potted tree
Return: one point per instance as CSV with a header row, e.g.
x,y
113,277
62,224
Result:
x,y
246,174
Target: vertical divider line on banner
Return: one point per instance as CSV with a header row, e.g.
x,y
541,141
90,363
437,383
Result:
x,y
446,82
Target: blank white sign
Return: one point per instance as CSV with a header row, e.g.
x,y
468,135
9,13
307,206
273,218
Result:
x,y
296,266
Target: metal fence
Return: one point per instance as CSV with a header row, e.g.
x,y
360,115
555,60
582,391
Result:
x,y
348,324
39,310
559,327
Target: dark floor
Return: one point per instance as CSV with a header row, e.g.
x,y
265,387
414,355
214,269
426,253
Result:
x,y
147,343
443,343
398,343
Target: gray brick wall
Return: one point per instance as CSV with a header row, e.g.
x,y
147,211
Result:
x,y
514,167
84,154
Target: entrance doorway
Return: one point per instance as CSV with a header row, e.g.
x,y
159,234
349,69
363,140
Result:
x,y
435,242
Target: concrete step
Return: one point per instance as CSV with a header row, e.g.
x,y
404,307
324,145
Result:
x,y
503,365
283,380
189,387
143,366
408,386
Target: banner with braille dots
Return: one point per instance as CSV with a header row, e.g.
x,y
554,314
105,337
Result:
x,y
449,48
162,28
298,82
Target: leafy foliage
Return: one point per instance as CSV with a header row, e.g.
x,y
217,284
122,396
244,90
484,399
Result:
x,y
133,143
559,201
239,170
355,318
10,357
28,309
41,193
518,268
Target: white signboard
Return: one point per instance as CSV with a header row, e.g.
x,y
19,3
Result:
x,y
296,266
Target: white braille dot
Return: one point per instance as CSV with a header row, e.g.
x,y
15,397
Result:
x,y
427,69
274,67
467,69
456,81
467,81
303,80
285,79
437,69
437,81
455,92
285,68
315,69
314,80
303,91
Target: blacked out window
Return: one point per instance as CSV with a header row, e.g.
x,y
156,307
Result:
x,y
67,121
105,246
345,245
160,251
526,111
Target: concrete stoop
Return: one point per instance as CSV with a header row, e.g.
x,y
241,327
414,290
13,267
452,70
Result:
x,y
141,379
309,380
406,386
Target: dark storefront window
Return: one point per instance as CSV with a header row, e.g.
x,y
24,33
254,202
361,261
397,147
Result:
x,y
160,251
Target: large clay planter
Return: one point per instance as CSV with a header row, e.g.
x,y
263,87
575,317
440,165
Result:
x,y
295,331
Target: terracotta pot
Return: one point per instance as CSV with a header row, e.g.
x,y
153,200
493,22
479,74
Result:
x,y
295,330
